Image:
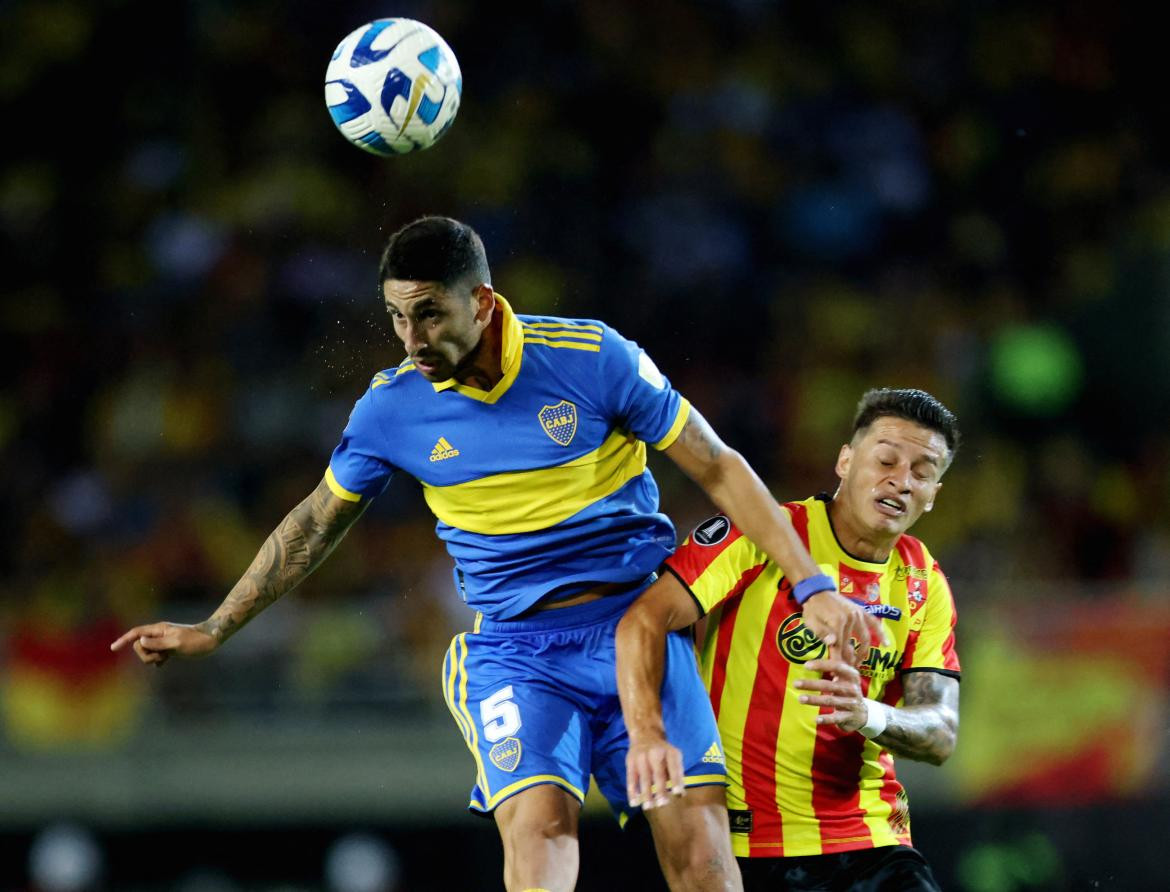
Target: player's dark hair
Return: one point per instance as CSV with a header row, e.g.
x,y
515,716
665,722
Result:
x,y
913,405
434,249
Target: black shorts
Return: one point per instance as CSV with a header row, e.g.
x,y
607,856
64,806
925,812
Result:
x,y
886,869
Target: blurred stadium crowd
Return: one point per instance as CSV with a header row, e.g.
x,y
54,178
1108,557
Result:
x,y
784,203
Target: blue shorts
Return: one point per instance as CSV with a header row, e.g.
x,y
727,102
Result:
x,y
536,700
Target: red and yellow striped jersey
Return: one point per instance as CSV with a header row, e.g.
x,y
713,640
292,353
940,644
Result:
x,y
796,788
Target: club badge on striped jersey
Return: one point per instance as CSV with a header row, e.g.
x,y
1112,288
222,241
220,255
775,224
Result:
x,y
797,642
915,594
505,755
559,422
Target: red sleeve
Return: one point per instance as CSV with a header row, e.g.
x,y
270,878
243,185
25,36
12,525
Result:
x,y
714,562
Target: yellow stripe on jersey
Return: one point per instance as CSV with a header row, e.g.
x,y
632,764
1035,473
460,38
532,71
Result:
x,y
702,780
403,369
572,345
561,331
473,743
338,490
794,793
522,501
747,638
382,378
877,810
452,670
568,326
684,413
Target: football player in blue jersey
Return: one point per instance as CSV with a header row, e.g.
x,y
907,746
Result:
x,y
529,437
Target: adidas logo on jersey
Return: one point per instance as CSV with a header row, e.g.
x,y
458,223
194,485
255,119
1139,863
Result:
x,y
443,450
713,755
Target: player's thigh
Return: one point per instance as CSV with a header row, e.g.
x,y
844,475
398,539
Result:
x,y
693,829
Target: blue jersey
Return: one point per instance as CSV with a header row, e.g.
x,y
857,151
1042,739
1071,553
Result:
x,y
540,485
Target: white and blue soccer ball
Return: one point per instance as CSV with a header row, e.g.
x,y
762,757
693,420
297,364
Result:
x,y
393,86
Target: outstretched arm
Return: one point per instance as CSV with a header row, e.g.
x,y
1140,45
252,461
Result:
x,y
925,728
294,549
653,765
734,487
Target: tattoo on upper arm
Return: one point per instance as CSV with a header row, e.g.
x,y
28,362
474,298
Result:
x,y
298,544
699,438
929,689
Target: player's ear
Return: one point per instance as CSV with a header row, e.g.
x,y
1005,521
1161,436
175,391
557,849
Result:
x,y
485,302
933,496
844,457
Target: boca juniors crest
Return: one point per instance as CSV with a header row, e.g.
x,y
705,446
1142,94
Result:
x,y
505,755
559,422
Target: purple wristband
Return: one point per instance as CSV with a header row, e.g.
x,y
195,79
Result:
x,y
806,588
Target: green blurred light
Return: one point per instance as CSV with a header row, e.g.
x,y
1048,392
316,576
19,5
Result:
x,y
1029,863
1035,369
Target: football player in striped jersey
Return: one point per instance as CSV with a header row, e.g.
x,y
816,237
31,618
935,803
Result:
x,y
808,736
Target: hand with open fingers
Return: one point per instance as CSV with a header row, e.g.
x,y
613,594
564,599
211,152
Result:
x,y
158,642
838,621
840,691
654,773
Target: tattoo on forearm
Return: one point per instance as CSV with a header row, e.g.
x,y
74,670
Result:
x,y
927,726
294,549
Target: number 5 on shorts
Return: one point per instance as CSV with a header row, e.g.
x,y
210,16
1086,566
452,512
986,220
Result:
x,y
499,715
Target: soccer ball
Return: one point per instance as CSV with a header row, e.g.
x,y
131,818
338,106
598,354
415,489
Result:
x,y
393,86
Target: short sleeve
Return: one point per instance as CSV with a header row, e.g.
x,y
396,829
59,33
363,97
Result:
x,y
358,468
639,395
716,562
931,644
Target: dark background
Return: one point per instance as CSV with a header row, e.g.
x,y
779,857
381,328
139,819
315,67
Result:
x,y
784,203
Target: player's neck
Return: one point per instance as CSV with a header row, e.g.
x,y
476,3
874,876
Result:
x,y
482,368
854,539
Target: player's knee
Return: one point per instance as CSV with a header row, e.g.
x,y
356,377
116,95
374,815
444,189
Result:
x,y
698,861
542,828
539,829
703,869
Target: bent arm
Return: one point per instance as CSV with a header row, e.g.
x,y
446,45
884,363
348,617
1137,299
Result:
x,y
926,727
735,489
292,551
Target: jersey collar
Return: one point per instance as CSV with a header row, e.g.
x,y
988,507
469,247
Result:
x,y
820,514
511,352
